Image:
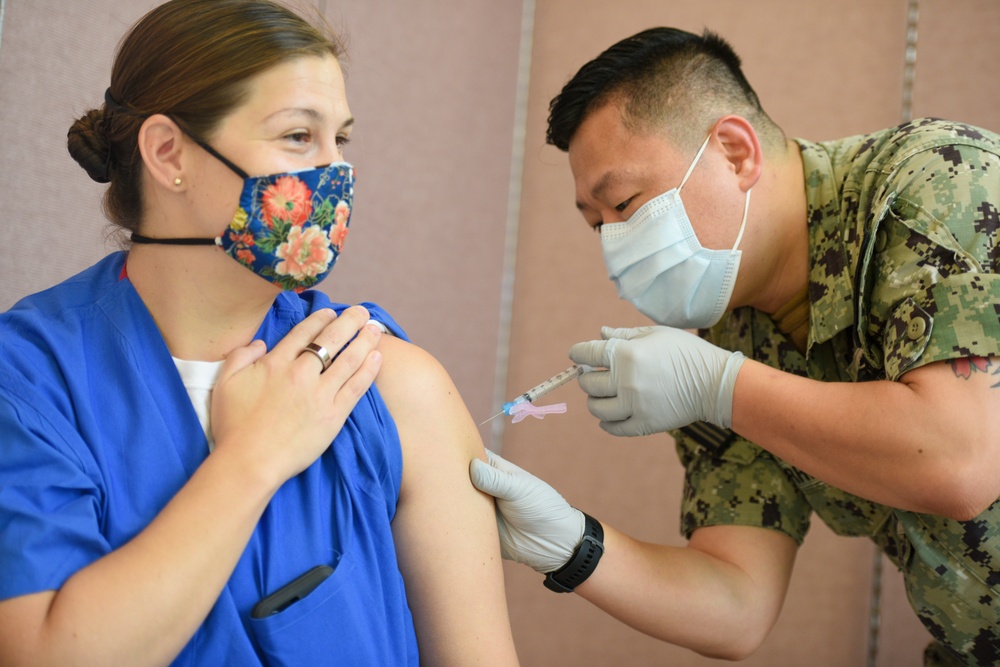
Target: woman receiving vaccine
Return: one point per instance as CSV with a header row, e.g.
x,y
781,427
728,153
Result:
x,y
203,461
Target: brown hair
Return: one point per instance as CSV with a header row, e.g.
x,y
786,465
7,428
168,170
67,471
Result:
x,y
191,60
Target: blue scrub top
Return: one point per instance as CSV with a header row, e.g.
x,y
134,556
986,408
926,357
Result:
x,y
97,434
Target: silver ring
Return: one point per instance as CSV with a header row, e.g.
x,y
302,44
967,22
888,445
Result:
x,y
321,353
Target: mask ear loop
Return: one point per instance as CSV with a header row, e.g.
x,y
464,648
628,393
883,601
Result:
x,y
111,104
697,157
743,225
208,149
746,205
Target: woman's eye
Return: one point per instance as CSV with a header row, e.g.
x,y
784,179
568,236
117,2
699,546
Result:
x,y
298,137
343,140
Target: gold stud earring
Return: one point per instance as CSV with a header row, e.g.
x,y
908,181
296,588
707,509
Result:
x,y
177,181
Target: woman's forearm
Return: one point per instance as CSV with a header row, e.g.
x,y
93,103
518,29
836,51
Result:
x,y
141,604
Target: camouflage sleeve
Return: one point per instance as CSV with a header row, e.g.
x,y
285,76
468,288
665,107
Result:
x,y
934,269
731,481
952,569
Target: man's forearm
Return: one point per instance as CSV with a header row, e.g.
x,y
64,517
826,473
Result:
x,y
920,445
718,596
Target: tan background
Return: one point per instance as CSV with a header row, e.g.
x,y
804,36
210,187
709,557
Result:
x,y
452,169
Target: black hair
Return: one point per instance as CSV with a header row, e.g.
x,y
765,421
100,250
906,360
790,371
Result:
x,y
655,74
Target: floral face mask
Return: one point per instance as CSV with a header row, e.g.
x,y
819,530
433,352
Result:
x,y
289,228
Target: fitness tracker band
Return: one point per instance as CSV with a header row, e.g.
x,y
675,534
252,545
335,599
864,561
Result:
x,y
583,562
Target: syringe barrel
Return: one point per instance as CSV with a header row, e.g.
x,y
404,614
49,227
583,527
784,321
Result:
x,y
555,382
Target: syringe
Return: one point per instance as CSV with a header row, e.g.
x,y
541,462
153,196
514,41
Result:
x,y
554,382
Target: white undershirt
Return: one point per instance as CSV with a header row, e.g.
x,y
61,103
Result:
x,y
199,378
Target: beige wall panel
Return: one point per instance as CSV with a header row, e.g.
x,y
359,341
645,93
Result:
x,y
823,70
957,57
433,87
55,60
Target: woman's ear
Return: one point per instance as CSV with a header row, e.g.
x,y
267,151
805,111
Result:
x,y
161,146
741,148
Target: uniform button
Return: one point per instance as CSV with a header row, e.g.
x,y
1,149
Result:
x,y
916,328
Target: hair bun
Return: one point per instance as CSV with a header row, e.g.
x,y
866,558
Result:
x,y
87,141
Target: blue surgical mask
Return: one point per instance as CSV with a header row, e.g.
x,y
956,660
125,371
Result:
x,y
660,267
289,228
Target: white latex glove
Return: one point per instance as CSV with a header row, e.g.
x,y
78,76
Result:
x,y
658,378
537,526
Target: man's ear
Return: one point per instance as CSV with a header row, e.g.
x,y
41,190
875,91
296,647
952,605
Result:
x,y
741,147
161,144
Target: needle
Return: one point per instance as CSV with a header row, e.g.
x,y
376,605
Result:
x,y
491,418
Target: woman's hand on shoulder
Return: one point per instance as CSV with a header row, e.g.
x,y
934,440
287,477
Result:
x,y
277,411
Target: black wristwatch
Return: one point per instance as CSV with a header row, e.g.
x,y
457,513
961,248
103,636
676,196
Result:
x,y
583,562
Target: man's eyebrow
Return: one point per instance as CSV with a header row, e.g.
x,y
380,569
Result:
x,y
608,179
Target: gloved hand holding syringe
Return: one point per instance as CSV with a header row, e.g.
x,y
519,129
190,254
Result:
x,y
536,392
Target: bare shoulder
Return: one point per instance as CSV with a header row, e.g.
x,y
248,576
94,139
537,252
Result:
x,y
410,376
420,393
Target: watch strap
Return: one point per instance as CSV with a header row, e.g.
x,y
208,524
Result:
x,y
584,560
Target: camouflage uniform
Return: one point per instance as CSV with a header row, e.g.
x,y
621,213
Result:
x,y
904,264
